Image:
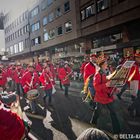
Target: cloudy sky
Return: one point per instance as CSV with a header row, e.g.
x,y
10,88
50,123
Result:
x,y
8,5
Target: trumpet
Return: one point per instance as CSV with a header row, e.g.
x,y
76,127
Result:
x,y
67,76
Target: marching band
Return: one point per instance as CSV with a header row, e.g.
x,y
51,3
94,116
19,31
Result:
x,y
27,80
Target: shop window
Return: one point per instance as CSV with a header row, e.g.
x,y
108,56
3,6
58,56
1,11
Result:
x,y
46,36
59,30
68,26
66,6
102,4
45,21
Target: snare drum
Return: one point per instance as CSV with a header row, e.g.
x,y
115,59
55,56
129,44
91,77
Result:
x,y
32,94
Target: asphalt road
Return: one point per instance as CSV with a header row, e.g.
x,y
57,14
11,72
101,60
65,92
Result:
x,y
68,117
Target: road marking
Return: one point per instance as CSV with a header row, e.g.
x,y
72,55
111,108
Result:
x,y
32,136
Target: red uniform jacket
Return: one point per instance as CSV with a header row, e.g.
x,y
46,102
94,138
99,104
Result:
x,y
10,72
63,72
17,75
46,79
38,67
89,70
51,66
30,81
82,67
3,78
136,76
11,126
102,92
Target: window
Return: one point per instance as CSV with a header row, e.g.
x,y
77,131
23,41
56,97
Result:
x,y
34,12
27,42
35,27
68,26
58,12
45,21
83,15
46,36
90,10
12,49
67,6
24,29
52,34
49,2
27,28
36,41
59,30
16,48
44,5
101,5
51,17
21,46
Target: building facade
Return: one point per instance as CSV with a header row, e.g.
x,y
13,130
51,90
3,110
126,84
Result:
x,y
63,29
111,24
17,40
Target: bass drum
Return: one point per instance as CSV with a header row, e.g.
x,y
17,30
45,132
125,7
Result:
x,y
32,94
39,100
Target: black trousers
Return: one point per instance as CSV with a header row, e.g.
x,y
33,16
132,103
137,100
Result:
x,y
66,86
114,119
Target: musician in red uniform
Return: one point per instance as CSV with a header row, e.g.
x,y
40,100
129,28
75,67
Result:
x,y
11,125
136,103
90,67
38,66
17,74
86,60
29,81
103,95
3,78
64,73
51,66
46,78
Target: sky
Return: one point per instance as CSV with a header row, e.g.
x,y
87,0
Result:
x,y
8,5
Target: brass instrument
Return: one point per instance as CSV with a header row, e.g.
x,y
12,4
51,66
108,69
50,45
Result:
x,y
67,76
120,77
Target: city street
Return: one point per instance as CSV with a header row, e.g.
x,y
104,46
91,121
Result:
x,y
69,116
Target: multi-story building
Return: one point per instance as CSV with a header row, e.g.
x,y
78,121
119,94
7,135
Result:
x,y
17,40
111,24
70,28
54,29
